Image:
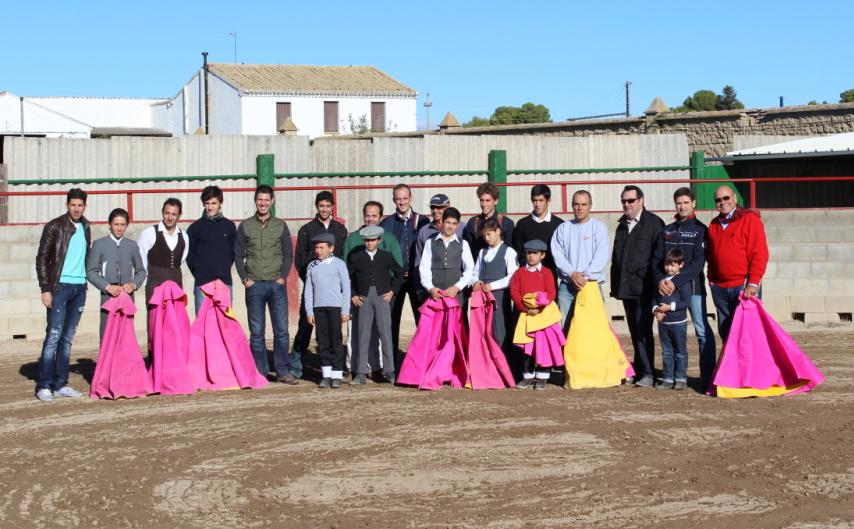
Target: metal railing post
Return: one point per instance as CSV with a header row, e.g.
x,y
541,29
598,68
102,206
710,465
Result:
x,y
130,207
265,173
498,175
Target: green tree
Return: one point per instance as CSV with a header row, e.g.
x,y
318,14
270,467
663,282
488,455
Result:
x,y
847,96
728,99
527,113
702,100
477,121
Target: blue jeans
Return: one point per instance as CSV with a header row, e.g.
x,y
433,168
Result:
x,y
62,320
726,300
275,296
565,298
705,336
198,297
674,346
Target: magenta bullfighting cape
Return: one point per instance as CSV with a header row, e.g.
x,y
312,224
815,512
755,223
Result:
x,y
760,359
170,341
488,367
120,371
220,356
540,336
437,353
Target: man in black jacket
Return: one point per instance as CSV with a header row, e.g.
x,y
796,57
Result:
x,y
61,271
371,272
212,239
304,254
632,279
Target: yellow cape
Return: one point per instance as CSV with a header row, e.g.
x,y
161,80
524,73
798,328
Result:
x,y
531,324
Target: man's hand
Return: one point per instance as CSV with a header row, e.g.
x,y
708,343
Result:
x,y
659,316
310,320
533,312
281,281
487,287
666,287
114,290
477,286
248,283
388,295
578,279
345,318
435,293
47,299
452,292
662,308
750,291
129,287
357,300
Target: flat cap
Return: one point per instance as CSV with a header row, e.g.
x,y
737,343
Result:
x,y
440,200
323,237
535,245
371,232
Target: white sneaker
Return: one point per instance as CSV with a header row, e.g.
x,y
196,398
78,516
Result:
x,y
44,395
67,391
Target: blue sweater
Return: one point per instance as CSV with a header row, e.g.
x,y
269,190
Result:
x,y
679,303
327,284
690,236
211,251
406,233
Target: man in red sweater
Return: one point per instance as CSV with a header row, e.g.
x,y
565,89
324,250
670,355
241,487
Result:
x,y
737,254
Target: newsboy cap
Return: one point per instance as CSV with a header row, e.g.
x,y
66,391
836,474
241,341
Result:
x,y
535,245
371,232
323,237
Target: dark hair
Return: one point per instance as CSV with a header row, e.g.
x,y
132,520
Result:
x,y
324,196
370,203
634,188
263,189
490,225
488,188
118,212
75,192
541,190
399,187
172,201
674,256
211,192
684,192
584,192
451,213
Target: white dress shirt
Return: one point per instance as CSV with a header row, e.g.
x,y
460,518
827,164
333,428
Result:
x,y
148,237
509,260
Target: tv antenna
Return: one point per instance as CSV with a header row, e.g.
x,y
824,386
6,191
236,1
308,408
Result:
x,y
427,105
233,34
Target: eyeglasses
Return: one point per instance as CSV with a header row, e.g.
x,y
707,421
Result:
x,y
628,200
718,200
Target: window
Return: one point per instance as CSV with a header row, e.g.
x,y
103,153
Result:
x,y
377,117
283,112
330,117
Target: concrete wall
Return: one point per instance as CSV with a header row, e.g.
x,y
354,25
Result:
x,y
811,272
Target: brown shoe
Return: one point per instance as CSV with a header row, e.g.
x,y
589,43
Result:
x,y
288,379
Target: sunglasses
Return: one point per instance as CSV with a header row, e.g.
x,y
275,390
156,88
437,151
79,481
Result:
x,y
628,200
718,200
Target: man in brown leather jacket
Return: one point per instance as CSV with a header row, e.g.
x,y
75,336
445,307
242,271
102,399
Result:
x,y
61,271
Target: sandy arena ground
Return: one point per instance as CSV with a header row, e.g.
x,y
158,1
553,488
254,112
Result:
x,y
380,456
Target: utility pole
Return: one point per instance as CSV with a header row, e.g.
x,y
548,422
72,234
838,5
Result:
x,y
781,101
233,34
427,105
628,97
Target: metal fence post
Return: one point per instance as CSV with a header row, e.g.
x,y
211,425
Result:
x,y
264,173
703,192
498,175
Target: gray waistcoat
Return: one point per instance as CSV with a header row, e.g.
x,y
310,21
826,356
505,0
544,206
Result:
x,y
447,263
495,269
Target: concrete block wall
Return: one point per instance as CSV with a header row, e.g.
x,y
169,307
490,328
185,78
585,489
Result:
x,y
810,275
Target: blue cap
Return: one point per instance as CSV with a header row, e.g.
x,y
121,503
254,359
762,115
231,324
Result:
x,y
535,245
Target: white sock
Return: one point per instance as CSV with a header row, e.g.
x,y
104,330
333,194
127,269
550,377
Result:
x,y
543,375
326,371
528,376
336,374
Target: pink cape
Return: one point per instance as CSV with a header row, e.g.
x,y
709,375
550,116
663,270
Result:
x,y
169,334
120,371
488,367
437,352
220,357
760,359
541,336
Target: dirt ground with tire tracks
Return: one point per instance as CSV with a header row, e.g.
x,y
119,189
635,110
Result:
x,y
380,456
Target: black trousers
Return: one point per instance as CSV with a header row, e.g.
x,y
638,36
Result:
x,y
639,318
409,289
330,343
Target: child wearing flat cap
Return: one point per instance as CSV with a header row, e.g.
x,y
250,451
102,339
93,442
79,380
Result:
x,y
375,276
327,305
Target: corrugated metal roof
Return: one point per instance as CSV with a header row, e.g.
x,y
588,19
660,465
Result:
x,y
835,144
275,79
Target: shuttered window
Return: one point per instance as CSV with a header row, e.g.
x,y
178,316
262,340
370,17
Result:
x,y
330,116
377,117
283,112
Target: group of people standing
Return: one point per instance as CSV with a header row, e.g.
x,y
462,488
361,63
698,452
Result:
x,y
528,268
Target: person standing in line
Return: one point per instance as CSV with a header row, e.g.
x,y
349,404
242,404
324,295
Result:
x,y
632,280
163,248
304,254
447,266
114,263
539,225
404,224
438,204
61,272
580,247
212,239
690,235
263,256
493,269
488,195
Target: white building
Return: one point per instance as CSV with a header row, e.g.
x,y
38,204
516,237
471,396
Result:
x,y
320,100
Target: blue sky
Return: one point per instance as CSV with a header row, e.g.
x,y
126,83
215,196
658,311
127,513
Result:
x,y
571,56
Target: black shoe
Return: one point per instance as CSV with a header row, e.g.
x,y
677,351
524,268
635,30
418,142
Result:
x,y
336,383
390,378
540,384
644,382
358,380
325,383
288,379
525,383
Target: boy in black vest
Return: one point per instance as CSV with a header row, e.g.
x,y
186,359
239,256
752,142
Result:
x,y
446,265
375,277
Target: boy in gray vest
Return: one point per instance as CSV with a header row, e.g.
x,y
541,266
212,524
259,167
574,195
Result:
x,y
492,272
446,265
327,306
